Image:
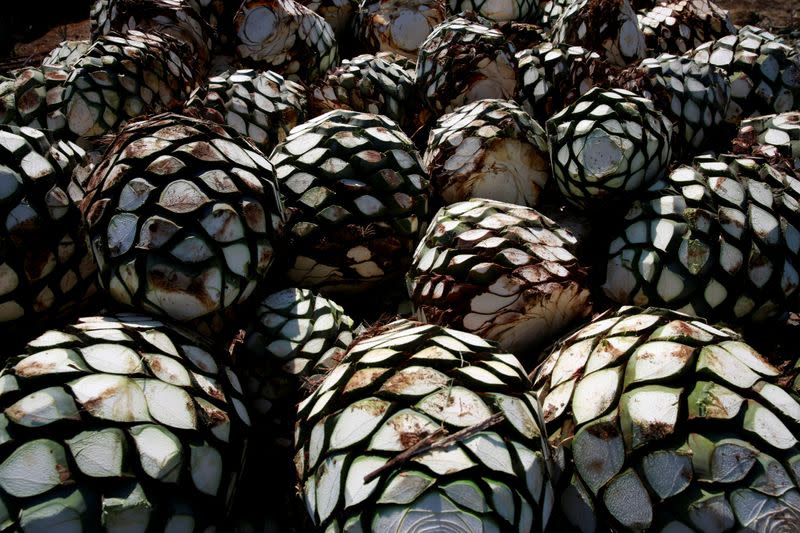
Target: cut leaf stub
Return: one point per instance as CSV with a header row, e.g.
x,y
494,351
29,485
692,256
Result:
x,y
119,418
408,384
661,413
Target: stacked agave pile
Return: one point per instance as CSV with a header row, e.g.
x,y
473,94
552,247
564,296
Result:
x,y
332,244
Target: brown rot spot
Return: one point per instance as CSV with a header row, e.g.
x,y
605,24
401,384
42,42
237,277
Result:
x,y
656,431
411,438
604,431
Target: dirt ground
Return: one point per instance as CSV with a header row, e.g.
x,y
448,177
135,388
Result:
x,y
772,14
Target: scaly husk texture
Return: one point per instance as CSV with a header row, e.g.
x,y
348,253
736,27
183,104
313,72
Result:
x,y
262,106
501,271
116,422
764,73
670,424
358,199
607,27
478,462
608,146
720,239
464,60
46,269
286,37
550,11
676,26
183,216
488,149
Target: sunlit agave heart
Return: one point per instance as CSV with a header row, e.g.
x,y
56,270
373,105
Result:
x,y
485,67
122,77
398,26
119,420
679,25
295,336
497,10
608,27
719,239
369,84
488,149
262,106
764,73
607,146
693,95
183,216
771,136
358,195
669,423
286,37
552,76
501,271
423,427
180,19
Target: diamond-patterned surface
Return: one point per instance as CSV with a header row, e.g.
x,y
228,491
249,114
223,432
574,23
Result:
x,y
183,216
358,197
